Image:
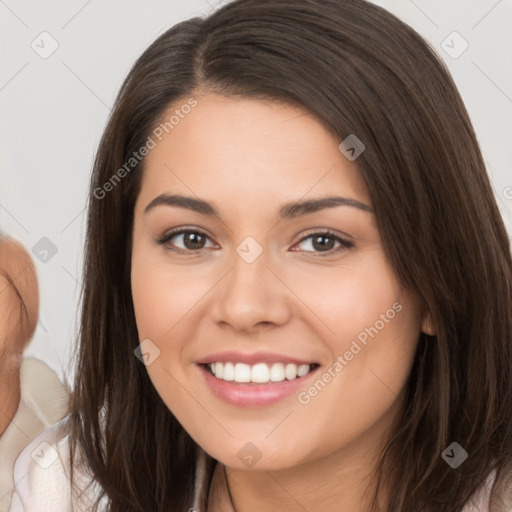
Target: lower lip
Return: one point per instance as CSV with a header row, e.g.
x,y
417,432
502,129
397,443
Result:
x,y
251,394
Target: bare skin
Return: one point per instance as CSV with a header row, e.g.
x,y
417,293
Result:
x,y
19,309
249,157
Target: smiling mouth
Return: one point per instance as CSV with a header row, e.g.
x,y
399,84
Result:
x,y
260,373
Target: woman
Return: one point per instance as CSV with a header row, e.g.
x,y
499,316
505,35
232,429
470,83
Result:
x,y
297,285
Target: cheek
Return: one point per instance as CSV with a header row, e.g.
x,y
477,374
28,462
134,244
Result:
x,y
162,297
349,298
166,299
162,294
371,327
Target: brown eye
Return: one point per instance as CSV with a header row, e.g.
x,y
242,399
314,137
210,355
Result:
x,y
325,242
193,240
184,240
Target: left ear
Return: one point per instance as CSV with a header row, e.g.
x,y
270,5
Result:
x,y
427,325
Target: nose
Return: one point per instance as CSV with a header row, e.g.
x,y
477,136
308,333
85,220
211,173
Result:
x,y
251,297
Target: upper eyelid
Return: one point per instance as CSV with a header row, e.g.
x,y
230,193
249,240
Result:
x,y
181,231
310,232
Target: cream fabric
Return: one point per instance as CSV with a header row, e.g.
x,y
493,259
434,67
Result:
x,y
42,476
43,401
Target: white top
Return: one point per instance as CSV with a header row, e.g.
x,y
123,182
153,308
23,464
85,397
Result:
x,y
43,401
42,476
42,479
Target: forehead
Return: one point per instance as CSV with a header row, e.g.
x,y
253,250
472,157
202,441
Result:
x,y
250,149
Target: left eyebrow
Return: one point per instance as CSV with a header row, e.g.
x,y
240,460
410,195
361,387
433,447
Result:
x,y
298,208
287,211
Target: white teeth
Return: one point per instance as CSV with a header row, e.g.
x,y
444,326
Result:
x,y
291,371
228,371
277,372
260,373
302,370
218,370
242,372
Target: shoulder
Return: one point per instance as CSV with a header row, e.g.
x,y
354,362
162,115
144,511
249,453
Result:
x,y
40,472
482,500
42,391
42,475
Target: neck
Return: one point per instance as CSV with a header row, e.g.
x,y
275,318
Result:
x,y
10,393
339,482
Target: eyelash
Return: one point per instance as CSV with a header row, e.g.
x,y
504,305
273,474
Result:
x,y
344,244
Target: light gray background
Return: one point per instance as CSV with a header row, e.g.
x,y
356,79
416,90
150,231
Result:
x,y
53,111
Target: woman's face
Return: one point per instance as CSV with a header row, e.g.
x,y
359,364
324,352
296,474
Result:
x,y
262,292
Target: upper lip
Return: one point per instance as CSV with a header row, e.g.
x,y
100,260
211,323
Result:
x,y
251,359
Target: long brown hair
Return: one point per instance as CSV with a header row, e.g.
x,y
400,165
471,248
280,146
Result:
x,y
362,71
